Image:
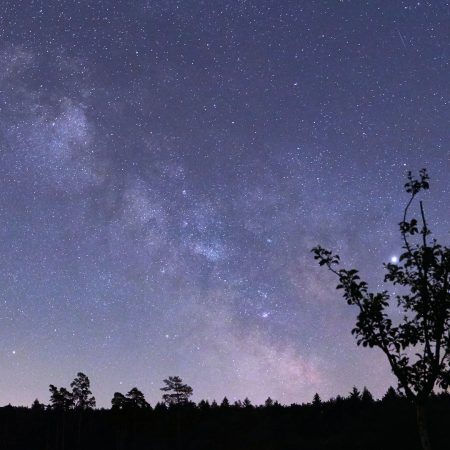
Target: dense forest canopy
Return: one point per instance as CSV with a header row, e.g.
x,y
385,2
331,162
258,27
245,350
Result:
x,y
354,421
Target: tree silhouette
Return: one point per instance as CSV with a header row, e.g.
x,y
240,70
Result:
x,y
177,392
317,401
82,400
37,406
417,346
119,401
332,424
60,399
366,396
81,392
134,399
204,405
160,407
80,397
177,395
391,395
354,395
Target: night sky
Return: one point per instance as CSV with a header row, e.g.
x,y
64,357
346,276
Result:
x,y
166,167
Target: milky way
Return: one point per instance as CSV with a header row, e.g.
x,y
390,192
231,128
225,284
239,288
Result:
x,y
166,167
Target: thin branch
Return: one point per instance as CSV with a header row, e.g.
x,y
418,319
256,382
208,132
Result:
x,y
405,213
425,227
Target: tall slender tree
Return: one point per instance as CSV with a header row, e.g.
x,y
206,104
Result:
x,y
61,400
177,394
416,346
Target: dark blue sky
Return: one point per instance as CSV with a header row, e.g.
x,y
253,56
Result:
x,y
166,166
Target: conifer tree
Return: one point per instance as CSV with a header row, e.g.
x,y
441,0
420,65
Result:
x,y
355,395
178,393
366,396
391,395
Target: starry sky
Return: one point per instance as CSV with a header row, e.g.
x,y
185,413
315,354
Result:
x,y
166,167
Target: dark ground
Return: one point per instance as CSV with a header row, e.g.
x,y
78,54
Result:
x,y
337,424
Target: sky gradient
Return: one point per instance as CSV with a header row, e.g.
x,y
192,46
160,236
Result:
x,y
166,167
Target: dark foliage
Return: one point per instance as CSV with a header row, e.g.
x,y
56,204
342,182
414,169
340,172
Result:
x,y
81,392
79,398
177,393
343,423
133,400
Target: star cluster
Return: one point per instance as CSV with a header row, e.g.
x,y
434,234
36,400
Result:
x,y
166,166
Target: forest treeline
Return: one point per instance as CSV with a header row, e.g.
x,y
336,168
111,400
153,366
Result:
x,y
355,421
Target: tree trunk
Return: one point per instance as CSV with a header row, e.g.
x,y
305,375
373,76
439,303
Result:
x,y
63,434
178,427
80,419
422,425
